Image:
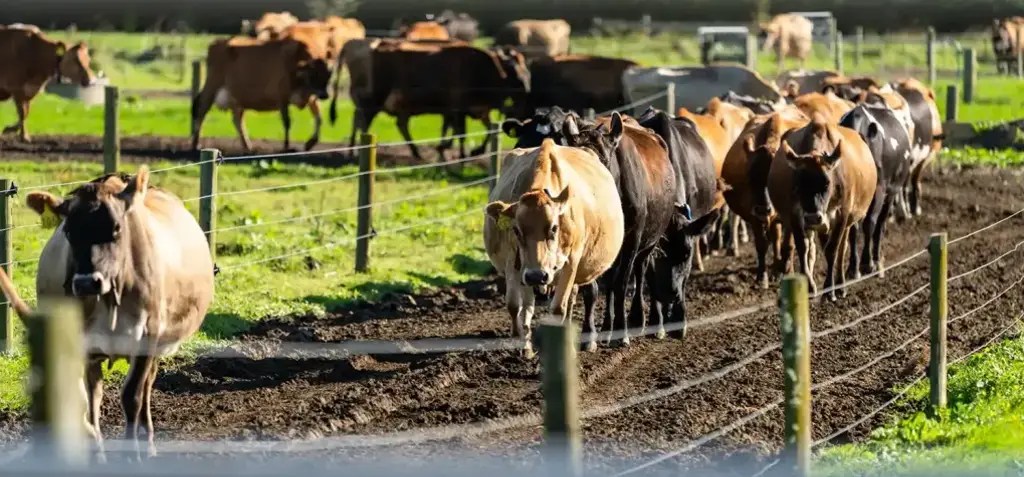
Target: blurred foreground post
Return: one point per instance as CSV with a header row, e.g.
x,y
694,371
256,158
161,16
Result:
x,y
111,130
560,387
970,74
6,255
364,217
858,46
795,325
670,99
751,51
208,196
930,56
952,103
838,52
57,358
939,311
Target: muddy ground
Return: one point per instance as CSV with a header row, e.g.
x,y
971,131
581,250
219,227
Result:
x,y
253,399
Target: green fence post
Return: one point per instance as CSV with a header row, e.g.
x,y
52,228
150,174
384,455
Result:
x,y
6,256
796,356
938,311
364,218
208,196
111,130
560,387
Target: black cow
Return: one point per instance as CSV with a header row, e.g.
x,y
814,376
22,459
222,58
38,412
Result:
x,y
545,123
758,106
890,147
577,82
460,26
695,214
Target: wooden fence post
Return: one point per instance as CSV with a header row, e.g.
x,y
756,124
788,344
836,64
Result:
x,y
208,196
1020,56
952,103
970,74
858,46
57,359
838,52
6,255
197,79
795,325
833,29
111,130
751,51
560,388
939,311
670,99
364,217
930,55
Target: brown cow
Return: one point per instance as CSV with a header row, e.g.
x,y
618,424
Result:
x,y
29,60
343,30
791,37
535,38
718,142
271,75
554,218
272,24
140,266
821,181
850,89
831,106
424,31
797,82
733,119
745,171
1007,41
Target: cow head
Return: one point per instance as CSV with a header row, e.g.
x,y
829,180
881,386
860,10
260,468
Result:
x,y
516,80
73,63
812,179
602,137
312,76
536,222
544,124
97,226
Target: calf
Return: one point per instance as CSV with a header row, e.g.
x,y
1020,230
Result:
x,y
927,138
890,147
822,182
139,265
554,219
271,75
29,60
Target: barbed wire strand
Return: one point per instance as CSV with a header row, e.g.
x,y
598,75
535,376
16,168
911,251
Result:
x,y
871,275
987,227
986,264
879,312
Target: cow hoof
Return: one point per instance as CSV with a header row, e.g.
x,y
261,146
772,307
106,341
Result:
x,y
310,145
590,347
661,334
528,352
762,282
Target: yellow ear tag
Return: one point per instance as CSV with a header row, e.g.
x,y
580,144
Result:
x,y
504,222
49,219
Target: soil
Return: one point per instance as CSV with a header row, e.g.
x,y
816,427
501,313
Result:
x,y
253,399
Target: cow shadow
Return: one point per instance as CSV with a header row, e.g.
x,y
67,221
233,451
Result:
x,y
467,265
221,326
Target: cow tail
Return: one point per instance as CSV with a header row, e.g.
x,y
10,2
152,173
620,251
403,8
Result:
x,y
332,112
20,307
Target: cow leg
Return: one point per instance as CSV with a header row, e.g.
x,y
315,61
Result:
x,y
733,247
877,234
238,117
132,396
838,259
447,123
621,282
761,246
201,105
564,291
608,325
852,269
357,125
679,287
318,120
514,295
833,257
21,104
916,190
402,121
147,408
636,308
744,236
589,292
94,398
286,122
718,234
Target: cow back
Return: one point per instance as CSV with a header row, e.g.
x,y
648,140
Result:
x,y
460,76
578,82
28,59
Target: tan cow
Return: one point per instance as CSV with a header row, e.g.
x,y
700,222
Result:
x,y
797,82
790,35
425,31
1007,41
140,266
535,38
316,35
272,24
27,62
344,30
822,182
718,142
733,119
745,171
828,104
245,73
554,219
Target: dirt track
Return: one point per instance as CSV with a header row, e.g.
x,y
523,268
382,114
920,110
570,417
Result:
x,y
268,399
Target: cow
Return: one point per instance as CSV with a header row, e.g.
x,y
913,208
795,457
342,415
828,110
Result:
x,y
428,30
696,208
850,89
317,35
460,26
272,24
24,26
343,30
831,106
30,60
745,171
535,38
927,138
822,182
889,142
715,138
554,220
804,81
790,35
465,81
1007,41
696,85
139,265
577,82
754,105
270,75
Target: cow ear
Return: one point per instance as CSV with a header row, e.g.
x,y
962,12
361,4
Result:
x,y
561,199
497,209
832,158
617,127
703,224
569,127
61,48
45,202
873,130
137,187
511,127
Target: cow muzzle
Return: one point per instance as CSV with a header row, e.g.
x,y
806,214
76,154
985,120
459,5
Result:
x,y
92,284
536,278
816,222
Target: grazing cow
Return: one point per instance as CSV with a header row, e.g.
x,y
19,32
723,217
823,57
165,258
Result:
x,y
577,82
464,81
790,35
696,85
831,106
272,24
927,138
460,26
424,31
1007,40
696,203
244,73
139,264
554,220
29,60
822,182
889,142
745,171
535,38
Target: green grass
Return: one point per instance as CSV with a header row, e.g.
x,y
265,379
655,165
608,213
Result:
x,y
429,256
981,432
